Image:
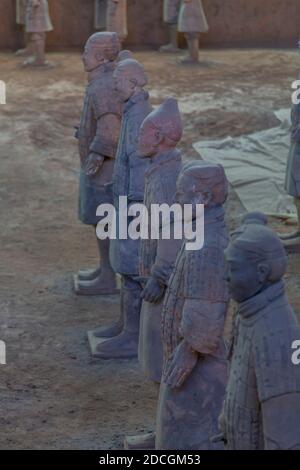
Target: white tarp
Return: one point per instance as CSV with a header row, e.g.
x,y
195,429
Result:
x,y
255,165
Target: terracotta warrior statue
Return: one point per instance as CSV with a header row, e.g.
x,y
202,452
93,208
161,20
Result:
x,y
170,15
21,6
292,182
116,18
121,339
100,14
192,22
38,23
262,403
160,133
98,136
195,365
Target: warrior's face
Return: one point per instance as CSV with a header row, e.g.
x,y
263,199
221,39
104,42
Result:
x,y
150,139
245,277
124,84
91,58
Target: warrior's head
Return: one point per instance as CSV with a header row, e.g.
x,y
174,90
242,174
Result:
x,y
130,78
256,258
161,130
201,182
100,48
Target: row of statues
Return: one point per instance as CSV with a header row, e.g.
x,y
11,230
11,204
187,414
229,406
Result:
x,y
186,16
174,301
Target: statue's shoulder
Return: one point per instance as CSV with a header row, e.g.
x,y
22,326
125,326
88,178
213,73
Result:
x,y
273,337
104,97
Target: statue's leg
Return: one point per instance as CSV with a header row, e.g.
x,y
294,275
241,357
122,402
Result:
x,y
90,274
37,46
193,49
172,46
40,48
125,345
28,50
105,281
114,329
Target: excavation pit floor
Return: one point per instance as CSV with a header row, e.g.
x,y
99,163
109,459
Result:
x,y
53,395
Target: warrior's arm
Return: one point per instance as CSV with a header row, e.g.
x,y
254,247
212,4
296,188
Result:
x,y
281,416
105,142
161,270
202,324
201,330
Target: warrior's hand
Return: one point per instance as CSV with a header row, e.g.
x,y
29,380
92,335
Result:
x,y
35,3
93,164
153,291
181,365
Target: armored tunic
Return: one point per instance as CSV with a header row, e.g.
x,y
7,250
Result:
x,y
192,18
21,6
117,18
194,311
38,18
261,368
129,179
98,133
171,11
292,181
157,259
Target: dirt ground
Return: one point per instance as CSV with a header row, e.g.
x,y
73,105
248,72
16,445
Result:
x,y
52,394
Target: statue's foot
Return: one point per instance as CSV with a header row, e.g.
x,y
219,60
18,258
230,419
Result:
x,y
188,61
23,53
169,48
290,236
101,285
109,331
88,274
123,346
140,442
32,62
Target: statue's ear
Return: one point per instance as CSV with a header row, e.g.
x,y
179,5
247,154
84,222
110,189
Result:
x,y
133,82
158,136
99,56
203,197
263,272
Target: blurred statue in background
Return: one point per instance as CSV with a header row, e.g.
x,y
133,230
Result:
x,y
262,402
120,340
116,18
98,136
192,22
21,6
100,14
195,361
38,23
292,182
170,16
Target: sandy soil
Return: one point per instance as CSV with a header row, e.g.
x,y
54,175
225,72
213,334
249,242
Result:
x,y
52,395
